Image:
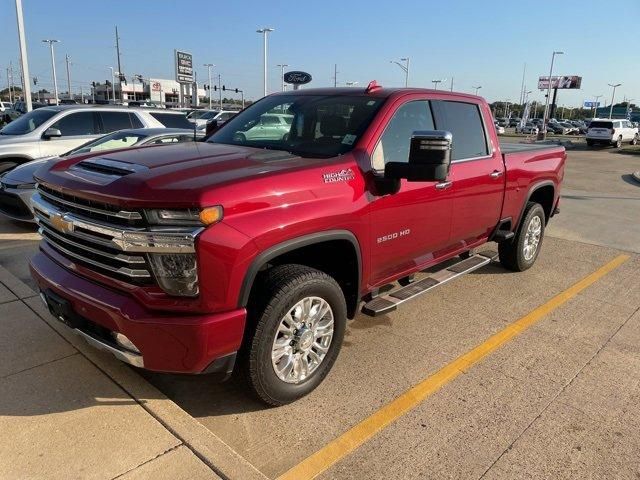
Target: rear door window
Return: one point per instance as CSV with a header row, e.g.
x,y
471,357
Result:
x,y
464,121
78,124
112,121
172,120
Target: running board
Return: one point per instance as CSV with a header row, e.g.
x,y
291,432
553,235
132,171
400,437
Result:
x,y
389,301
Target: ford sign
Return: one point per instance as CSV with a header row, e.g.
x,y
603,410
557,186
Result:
x,y
297,78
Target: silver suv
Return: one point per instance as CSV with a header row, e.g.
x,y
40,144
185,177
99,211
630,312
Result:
x,y
54,130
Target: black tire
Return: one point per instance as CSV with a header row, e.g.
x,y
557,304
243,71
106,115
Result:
x,y
511,253
278,290
634,141
5,166
618,142
590,143
240,137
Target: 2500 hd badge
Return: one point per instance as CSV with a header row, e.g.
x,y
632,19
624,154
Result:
x,y
394,235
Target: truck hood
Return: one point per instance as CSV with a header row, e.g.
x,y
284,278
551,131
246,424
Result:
x,y
178,174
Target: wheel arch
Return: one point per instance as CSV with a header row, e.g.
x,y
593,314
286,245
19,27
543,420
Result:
x,y
347,273
543,193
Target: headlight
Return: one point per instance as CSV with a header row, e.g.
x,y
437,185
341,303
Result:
x,y
189,216
177,273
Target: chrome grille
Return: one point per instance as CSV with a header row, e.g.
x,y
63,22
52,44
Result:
x,y
70,227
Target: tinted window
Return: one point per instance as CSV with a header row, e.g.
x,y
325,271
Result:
x,y
608,125
135,121
463,120
77,123
226,116
112,121
172,120
394,143
28,122
270,120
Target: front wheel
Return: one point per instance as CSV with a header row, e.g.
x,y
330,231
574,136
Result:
x,y
297,323
618,142
522,251
634,141
590,143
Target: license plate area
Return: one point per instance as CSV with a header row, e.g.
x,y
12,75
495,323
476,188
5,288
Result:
x,y
61,309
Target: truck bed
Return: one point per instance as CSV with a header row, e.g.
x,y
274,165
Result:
x,y
508,148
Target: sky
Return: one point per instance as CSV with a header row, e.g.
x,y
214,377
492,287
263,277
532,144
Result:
x,y
477,43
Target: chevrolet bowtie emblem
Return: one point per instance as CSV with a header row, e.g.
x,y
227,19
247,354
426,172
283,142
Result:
x,y
60,223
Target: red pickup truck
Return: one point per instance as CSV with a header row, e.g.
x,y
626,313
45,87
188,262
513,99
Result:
x,y
253,249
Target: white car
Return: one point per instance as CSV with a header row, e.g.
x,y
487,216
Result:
x,y
611,132
4,106
54,130
499,129
202,117
528,128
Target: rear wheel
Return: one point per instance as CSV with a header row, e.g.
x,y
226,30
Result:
x,y
590,143
618,142
634,140
5,166
521,253
297,321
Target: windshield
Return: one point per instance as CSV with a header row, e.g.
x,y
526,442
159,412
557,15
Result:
x,y
108,142
28,122
305,125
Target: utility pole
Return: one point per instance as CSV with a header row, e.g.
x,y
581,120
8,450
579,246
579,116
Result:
x,y
209,65
522,87
9,84
335,75
119,66
26,88
451,85
545,119
282,65
53,68
265,32
613,94
595,106
66,57
220,90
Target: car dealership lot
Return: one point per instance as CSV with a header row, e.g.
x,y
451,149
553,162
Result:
x,y
557,400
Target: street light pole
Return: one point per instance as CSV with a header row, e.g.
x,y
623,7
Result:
x,y
282,65
405,69
265,31
613,94
595,106
478,88
546,106
66,57
26,87
209,65
435,83
53,68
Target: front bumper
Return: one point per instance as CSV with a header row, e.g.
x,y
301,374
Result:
x,y
166,342
15,203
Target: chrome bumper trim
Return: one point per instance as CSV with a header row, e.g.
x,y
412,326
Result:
x,y
127,357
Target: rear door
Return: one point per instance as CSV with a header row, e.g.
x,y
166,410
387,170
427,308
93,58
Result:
x,y
114,121
477,171
411,227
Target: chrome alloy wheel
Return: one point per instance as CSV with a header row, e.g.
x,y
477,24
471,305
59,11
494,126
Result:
x,y
302,340
532,238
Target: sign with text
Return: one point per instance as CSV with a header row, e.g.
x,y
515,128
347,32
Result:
x,y
566,81
184,67
591,104
297,78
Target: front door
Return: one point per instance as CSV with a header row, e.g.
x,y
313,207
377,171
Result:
x,y
477,172
409,228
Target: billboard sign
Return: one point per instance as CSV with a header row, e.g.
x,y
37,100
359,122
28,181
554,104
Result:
x,y
184,67
566,82
591,104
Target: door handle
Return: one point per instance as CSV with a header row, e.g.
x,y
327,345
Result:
x,y
496,174
443,185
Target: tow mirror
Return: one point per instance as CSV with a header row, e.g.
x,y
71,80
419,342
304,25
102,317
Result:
x,y
429,158
51,133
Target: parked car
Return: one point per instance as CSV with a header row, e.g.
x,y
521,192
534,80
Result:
x,y
202,117
570,128
558,128
51,131
611,132
499,129
528,128
4,106
269,126
503,122
20,106
18,185
514,121
272,244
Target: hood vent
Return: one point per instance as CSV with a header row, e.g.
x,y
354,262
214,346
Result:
x,y
111,168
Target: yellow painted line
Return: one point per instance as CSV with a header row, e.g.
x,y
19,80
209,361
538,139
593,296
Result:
x,y
366,429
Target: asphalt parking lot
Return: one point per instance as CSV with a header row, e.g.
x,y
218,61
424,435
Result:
x,y
496,375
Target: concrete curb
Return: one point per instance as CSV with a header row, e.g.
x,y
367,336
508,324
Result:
x,y
636,176
208,447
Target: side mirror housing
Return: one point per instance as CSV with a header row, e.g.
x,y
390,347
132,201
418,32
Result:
x,y
51,133
429,158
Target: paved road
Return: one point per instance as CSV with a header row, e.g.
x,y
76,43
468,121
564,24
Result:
x,y
557,400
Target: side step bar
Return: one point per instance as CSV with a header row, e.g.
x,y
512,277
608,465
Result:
x,y
389,302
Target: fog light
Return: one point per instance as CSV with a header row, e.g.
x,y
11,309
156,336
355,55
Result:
x,y
177,273
124,342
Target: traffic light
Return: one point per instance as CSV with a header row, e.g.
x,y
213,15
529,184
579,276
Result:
x,y
93,84
215,88
107,83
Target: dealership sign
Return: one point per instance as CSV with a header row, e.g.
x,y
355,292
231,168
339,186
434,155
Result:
x,y
567,81
297,78
184,67
591,104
